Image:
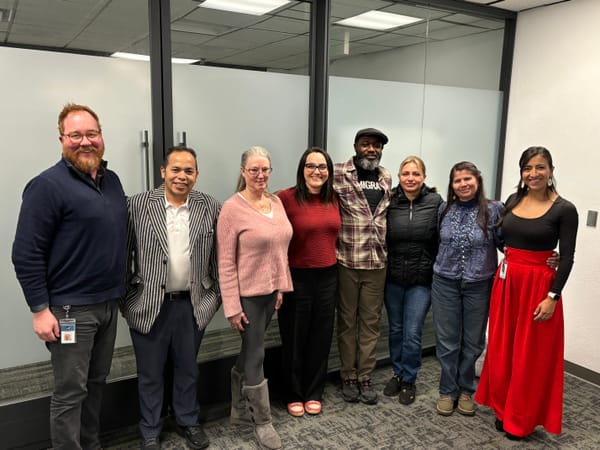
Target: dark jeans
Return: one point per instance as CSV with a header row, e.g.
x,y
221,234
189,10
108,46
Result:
x,y
80,371
259,311
306,328
174,332
406,308
460,313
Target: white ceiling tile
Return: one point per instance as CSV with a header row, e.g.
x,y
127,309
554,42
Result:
x,y
111,25
283,25
516,5
178,37
394,40
415,11
338,33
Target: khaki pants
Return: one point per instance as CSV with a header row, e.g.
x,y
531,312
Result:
x,y
360,299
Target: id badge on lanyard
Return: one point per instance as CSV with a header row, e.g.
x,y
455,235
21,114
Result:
x,y
68,328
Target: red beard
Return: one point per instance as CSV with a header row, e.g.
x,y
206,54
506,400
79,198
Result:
x,y
87,164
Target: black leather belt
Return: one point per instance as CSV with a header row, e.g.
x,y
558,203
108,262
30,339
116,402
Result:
x,y
177,295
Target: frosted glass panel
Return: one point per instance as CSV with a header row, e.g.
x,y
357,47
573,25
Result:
x,y
40,83
226,111
441,124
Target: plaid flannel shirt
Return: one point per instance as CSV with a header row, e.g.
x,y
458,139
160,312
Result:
x,y
361,243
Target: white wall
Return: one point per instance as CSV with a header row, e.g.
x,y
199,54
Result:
x,y
555,102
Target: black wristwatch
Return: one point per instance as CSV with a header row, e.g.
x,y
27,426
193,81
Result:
x,y
554,296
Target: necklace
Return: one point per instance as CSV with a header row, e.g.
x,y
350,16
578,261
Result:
x,y
263,204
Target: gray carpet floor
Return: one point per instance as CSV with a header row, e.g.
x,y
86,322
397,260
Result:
x,y
390,425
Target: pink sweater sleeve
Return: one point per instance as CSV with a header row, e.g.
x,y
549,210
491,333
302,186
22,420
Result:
x,y
226,256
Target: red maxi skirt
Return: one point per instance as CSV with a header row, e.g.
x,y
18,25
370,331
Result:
x,y
523,372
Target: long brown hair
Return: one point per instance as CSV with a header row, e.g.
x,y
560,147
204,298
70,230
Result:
x,y
522,187
326,194
483,215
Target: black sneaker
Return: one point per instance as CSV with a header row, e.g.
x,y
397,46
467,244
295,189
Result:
x,y
368,395
499,425
392,388
350,392
407,393
195,437
150,444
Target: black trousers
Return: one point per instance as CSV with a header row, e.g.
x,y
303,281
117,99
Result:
x,y
174,333
306,327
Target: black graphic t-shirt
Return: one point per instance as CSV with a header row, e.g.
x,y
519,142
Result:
x,y
369,183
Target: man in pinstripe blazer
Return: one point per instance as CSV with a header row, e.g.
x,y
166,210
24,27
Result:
x,y
172,292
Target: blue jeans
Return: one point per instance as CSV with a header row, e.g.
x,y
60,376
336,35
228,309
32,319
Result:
x,y
80,371
460,312
406,309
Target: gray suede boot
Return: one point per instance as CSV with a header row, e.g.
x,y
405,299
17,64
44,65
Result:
x,y
260,409
239,412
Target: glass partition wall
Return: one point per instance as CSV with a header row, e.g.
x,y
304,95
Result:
x,y
248,86
52,53
244,80
432,85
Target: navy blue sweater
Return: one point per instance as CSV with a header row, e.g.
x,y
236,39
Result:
x,y
71,239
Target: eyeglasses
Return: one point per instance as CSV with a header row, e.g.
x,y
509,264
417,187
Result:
x,y
78,137
312,167
254,171
376,145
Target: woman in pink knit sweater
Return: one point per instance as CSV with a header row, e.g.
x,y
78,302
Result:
x,y
253,234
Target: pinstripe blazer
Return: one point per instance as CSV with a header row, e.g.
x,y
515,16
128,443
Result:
x,y
147,250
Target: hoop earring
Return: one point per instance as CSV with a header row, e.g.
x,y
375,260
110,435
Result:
x,y
550,182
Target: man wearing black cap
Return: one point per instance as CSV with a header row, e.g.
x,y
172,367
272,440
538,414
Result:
x,y
363,188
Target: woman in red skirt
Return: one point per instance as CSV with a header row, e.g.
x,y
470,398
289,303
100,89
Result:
x,y
522,377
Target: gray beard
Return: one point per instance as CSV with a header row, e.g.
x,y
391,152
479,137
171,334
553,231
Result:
x,y
368,164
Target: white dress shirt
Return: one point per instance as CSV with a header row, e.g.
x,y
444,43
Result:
x,y
178,237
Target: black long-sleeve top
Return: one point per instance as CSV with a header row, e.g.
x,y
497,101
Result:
x,y
557,225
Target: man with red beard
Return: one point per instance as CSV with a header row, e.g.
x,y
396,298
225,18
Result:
x,y
69,254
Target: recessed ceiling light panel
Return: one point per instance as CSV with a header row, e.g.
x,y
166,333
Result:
x,y
378,20
138,57
253,7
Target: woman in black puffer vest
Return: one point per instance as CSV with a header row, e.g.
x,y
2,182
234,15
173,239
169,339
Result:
x,y
412,242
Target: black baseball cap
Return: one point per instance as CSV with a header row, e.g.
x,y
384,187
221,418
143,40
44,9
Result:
x,y
371,132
